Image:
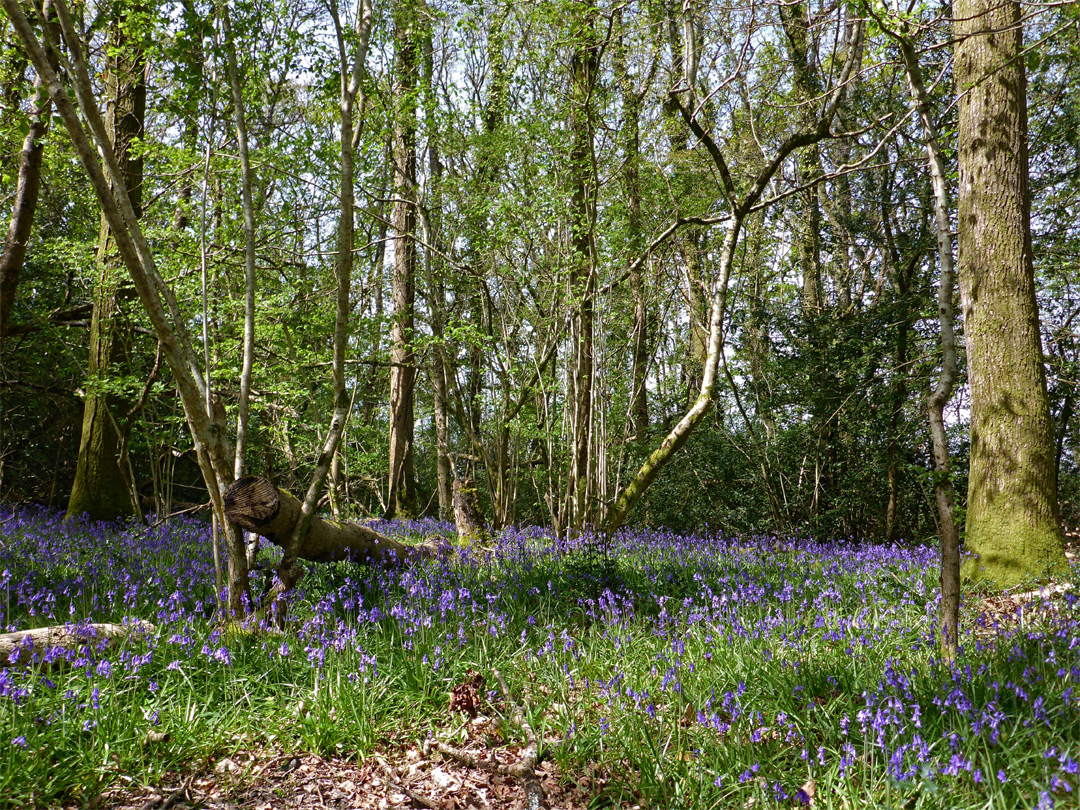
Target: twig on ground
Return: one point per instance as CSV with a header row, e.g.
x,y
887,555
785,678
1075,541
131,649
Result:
x,y
535,797
523,770
394,780
168,801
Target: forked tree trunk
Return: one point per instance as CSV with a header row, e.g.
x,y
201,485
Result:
x,y
740,206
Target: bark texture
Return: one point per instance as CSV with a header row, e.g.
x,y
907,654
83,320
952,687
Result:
x,y
258,506
1013,530
102,488
401,499
468,518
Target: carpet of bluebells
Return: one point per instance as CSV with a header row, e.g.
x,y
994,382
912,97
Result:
x,y
693,671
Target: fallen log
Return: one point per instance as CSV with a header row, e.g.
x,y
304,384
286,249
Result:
x,y
18,648
257,505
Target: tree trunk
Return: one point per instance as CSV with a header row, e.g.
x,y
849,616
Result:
x,y
247,183
21,647
102,489
1013,530
468,518
22,210
259,506
435,280
584,67
401,498
902,272
298,541
635,241
943,488
740,205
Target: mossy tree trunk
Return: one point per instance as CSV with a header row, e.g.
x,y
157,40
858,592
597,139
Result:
x,y
1013,530
102,488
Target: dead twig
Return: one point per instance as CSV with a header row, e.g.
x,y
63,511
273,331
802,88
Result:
x,y
393,779
524,770
162,802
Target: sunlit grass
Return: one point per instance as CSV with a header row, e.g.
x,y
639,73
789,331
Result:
x,y
694,671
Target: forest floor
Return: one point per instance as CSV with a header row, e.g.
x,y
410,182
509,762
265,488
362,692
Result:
x,y
267,781
647,669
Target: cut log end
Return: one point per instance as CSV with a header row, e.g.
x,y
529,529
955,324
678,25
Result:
x,y
258,506
252,502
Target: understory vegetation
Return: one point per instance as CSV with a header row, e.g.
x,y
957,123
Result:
x,y
692,670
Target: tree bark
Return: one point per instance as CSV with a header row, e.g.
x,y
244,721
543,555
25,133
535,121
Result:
x,y
468,519
435,280
939,398
401,498
258,506
102,488
584,68
1013,530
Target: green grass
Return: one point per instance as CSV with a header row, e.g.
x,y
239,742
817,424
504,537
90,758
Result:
x,y
696,672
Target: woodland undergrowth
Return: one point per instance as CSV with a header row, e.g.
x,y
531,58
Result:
x,y
694,670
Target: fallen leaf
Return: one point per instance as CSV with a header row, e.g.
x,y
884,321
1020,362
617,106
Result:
x,y
441,777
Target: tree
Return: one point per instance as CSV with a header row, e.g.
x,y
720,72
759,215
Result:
x,y
1012,530
943,489
401,500
103,487
584,66
26,197
741,198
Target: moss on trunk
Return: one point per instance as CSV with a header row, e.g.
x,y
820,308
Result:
x,y
1013,531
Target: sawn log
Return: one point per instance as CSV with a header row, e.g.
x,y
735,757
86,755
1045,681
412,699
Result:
x,y
258,506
